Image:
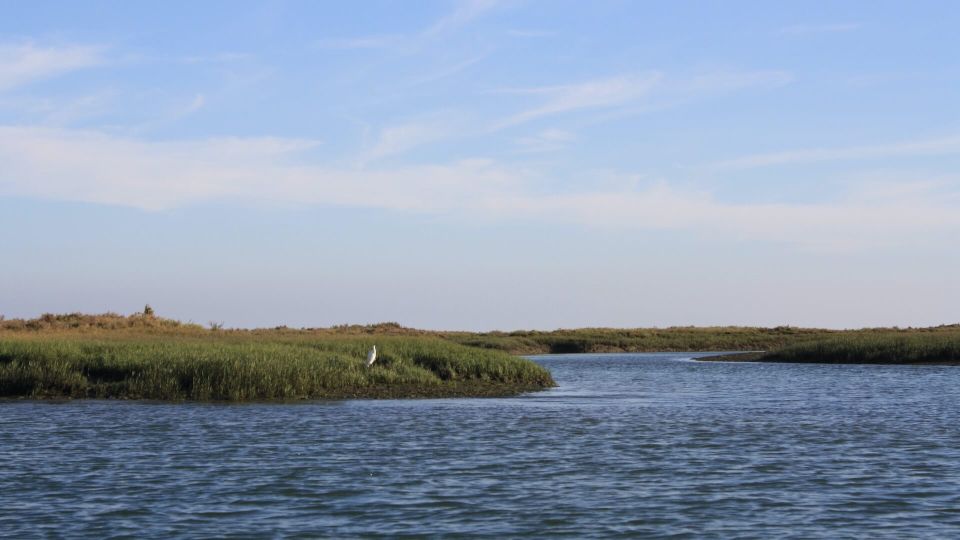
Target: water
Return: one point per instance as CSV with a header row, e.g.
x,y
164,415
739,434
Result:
x,y
628,445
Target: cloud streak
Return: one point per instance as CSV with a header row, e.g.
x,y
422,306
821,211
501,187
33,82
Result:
x,y
362,42
636,93
399,138
928,147
466,12
548,140
99,168
595,94
22,64
828,28
528,33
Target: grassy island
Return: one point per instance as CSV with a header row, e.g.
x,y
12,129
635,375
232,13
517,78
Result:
x,y
146,357
939,345
933,345
887,348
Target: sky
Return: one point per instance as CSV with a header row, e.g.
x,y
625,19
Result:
x,y
483,164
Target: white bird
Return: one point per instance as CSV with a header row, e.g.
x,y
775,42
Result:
x,y
372,356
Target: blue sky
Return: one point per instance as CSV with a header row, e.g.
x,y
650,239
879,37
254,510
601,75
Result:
x,y
482,164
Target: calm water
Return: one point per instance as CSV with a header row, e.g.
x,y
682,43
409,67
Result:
x,y
629,445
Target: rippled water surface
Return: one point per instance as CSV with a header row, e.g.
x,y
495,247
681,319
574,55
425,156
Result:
x,y
628,445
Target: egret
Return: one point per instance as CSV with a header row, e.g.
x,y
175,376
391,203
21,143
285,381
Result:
x,y
372,356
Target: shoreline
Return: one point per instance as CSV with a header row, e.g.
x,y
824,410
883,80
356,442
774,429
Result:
x,y
745,356
456,391
759,357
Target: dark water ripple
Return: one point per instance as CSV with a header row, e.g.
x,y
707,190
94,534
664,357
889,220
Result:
x,y
629,445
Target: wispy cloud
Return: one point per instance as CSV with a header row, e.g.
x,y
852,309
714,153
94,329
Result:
x,y
548,140
99,168
530,33
826,28
467,11
595,94
215,58
403,137
624,95
132,172
60,111
446,71
925,147
861,221
25,63
199,101
362,42
718,82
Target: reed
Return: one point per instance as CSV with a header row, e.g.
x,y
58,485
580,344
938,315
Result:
x,y
592,340
142,356
203,366
920,347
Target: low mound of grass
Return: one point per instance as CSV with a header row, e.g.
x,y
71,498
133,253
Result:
x,y
682,338
244,368
883,348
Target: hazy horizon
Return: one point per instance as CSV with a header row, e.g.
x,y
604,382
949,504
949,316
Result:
x,y
482,164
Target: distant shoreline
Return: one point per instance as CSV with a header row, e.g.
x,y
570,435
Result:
x,y
143,356
768,357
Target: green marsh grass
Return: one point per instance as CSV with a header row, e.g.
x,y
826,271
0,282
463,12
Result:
x,y
215,366
918,347
592,340
143,356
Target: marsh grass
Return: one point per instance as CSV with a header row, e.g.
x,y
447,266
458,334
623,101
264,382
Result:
x,y
582,340
143,356
592,340
919,347
244,368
